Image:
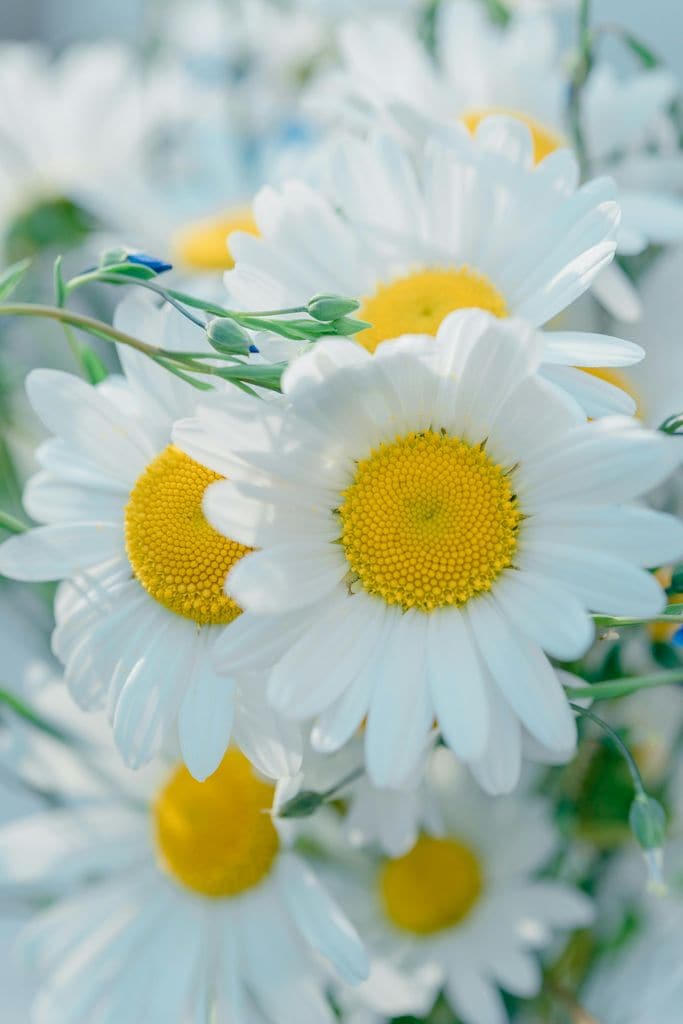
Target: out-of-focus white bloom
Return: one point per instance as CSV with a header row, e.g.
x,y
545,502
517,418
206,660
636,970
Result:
x,y
643,982
144,602
431,518
482,69
470,223
82,128
464,906
173,900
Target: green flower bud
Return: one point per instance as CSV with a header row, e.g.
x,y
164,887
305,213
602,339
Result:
x,y
228,337
302,805
648,822
330,307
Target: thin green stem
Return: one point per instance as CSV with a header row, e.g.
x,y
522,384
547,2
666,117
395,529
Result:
x,y
102,330
618,743
582,70
98,276
343,783
672,614
612,688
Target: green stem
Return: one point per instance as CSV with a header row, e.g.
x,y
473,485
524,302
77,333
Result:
x,y
611,688
618,743
102,330
581,72
96,276
673,614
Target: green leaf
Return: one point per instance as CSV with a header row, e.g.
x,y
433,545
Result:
x,y
93,367
302,805
347,325
263,376
200,385
22,710
58,279
135,270
12,524
10,278
647,57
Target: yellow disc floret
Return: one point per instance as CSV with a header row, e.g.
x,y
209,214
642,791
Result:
x,y
545,140
177,556
419,302
432,887
216,837
428,521
203,245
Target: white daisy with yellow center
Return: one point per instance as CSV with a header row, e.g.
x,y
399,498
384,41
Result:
x,y
479,69
465,223
465,902
143,600
431,519
180,901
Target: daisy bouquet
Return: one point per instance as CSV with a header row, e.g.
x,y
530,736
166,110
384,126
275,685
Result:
x,y
359,524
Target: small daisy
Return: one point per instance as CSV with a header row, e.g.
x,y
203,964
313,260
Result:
x,y
431,519
481,68
181,904
470,222
144,599
80,129
466,902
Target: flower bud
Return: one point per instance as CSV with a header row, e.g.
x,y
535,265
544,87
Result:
x,y
330,307
228,337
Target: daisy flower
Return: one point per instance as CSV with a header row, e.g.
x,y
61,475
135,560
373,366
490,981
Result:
x,y
469,222
430,519
466,902
176,904
69,127
481,68
143,599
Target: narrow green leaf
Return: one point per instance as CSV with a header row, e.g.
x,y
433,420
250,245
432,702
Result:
x,y
93,367
12,524
60,287
647,57
20,708
10,278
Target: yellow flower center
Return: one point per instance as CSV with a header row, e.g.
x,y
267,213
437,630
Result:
x,y
428,521
177,556
417,303
619,380
432,887
545,140
203,245
216,837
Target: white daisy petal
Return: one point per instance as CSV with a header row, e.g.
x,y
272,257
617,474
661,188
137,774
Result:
x,y
205,722
60,550
320,921
262,581
401,710
523,674
459,694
